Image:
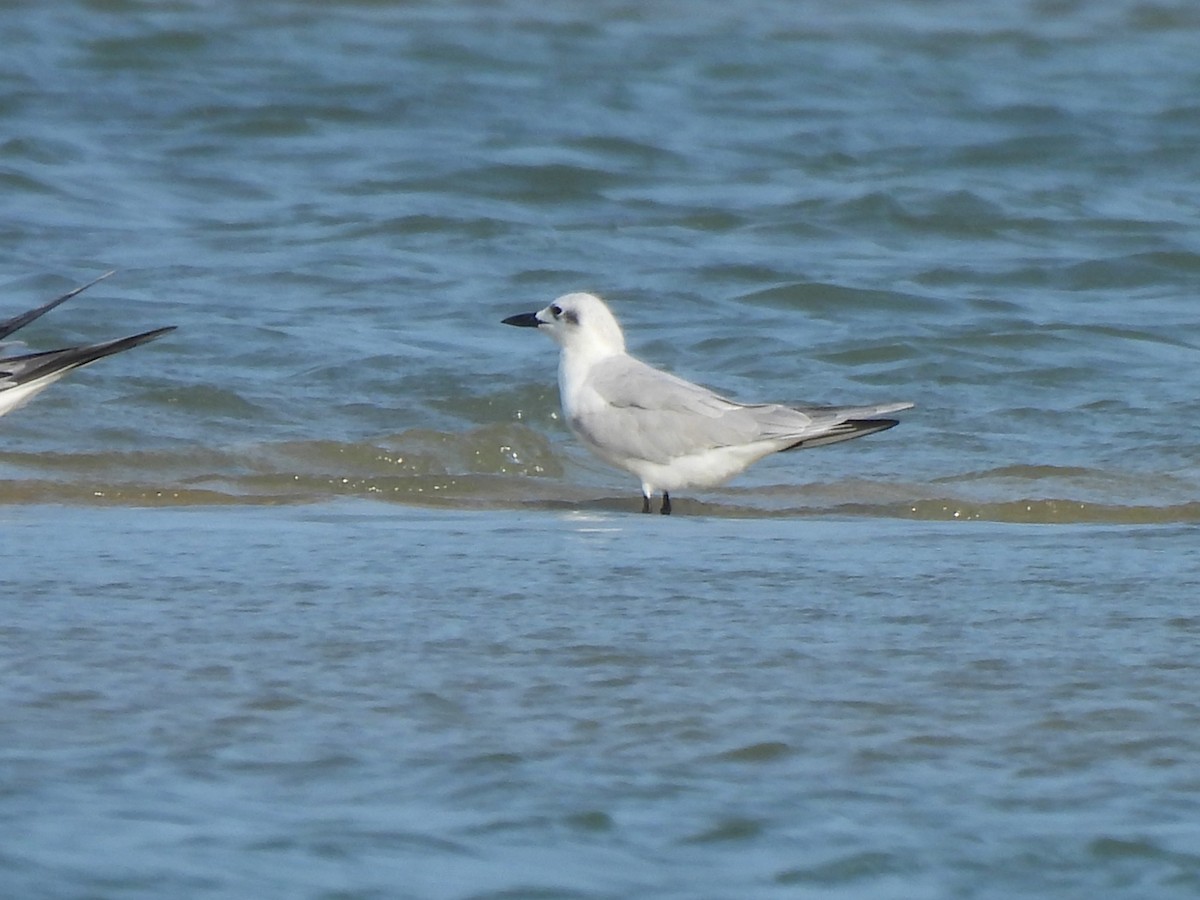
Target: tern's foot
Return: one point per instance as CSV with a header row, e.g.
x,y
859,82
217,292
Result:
x,y
645,504
666,504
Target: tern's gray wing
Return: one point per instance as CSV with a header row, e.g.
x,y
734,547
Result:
x,y
8,326
648,414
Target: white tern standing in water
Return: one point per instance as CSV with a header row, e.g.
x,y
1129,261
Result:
x,y
23,376
668,432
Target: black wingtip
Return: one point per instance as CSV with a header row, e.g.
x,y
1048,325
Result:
x,y
8,326
37,365
846,431
110,347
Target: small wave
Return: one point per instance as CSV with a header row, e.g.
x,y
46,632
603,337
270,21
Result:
x,y
482,492
512,466
553,182
417,464
818,297
1052,512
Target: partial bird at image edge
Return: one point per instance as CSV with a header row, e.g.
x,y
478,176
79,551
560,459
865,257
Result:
x,y
23,376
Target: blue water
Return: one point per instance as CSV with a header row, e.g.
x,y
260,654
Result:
x,y
316,596
259,706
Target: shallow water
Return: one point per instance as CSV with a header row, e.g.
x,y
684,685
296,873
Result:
x,y
317,597
356,700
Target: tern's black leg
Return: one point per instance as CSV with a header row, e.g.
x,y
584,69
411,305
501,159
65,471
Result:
x,y
666,507
645,504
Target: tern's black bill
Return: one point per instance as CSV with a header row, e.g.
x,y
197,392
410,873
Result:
x,y
524,320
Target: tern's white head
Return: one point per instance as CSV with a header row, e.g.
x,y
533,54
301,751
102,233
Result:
x,y
580,323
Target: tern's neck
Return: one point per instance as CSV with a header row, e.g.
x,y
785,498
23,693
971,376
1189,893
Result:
x,y
575,362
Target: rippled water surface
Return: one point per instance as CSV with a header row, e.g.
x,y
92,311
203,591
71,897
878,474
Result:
x,y
317,597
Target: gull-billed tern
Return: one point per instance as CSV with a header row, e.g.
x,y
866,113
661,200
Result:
x,y
23,376
668,432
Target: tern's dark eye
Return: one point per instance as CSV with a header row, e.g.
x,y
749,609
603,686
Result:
x,y
556,310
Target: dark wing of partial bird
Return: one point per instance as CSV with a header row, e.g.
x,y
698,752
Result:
x,y
8,326
30,366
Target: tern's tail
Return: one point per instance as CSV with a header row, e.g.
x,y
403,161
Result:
x,y
845,431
